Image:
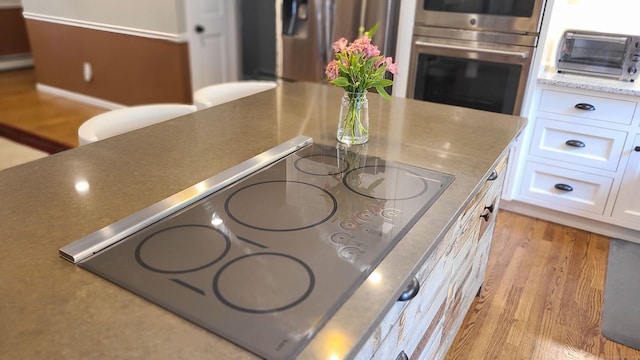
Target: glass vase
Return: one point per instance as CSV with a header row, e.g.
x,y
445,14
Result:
x,y
353,124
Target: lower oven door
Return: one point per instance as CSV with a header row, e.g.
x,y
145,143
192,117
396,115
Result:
x,y
470,74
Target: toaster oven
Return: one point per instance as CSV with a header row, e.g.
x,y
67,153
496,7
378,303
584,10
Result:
x,y
600,54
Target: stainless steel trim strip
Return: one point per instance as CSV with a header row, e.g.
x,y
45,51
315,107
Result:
x,y
520,54
95,242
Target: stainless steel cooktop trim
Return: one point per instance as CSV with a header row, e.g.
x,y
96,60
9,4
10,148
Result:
x,y
93,243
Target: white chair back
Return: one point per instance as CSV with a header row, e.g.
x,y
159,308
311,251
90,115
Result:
x,y
217,94
120,121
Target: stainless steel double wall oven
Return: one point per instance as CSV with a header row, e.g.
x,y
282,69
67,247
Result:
x,y
474,53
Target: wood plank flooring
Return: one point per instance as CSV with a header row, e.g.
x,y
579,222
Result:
x,y
46,115
542,297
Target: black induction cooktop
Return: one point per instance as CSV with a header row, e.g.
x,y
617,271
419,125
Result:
x,y
265,261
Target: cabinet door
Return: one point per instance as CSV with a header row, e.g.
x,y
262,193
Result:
x,y
627,205
213,41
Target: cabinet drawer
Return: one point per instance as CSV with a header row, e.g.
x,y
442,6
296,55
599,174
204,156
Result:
x,y
605,109
592,146
540,186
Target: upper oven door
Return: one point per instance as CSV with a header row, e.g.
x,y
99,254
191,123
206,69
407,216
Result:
x,y
511,16
470,74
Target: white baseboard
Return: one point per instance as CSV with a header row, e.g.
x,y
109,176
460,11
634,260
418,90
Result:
x,y
14,62
78,97
578,222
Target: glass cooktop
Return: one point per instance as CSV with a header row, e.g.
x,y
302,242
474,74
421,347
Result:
x,y
267,260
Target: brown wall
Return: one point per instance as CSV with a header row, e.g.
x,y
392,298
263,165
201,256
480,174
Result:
x,y
128,70
13,32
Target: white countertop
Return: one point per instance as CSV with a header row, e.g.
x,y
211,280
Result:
x,y
585,82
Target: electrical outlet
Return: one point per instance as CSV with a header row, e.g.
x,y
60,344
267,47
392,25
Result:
x,y
87,71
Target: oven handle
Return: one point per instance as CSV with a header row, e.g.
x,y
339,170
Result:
x,y
520,54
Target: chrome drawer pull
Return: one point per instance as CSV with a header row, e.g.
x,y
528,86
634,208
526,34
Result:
x,y
563,187
402,356
493,175
585,106
575,143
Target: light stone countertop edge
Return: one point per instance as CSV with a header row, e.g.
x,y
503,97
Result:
x,y
587,82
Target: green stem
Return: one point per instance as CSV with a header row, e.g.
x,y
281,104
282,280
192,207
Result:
x,y
352,122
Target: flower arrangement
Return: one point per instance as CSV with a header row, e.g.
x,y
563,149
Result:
x,y
358,66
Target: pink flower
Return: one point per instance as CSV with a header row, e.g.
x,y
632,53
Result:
x,y
340,45
388,63
332,70
371,51
391,66
359,45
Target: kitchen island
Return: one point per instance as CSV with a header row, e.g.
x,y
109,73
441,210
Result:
x,y
53,309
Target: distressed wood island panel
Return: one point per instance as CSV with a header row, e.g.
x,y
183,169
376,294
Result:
x,y
425,327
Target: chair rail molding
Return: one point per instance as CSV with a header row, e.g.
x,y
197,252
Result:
x,y
178,38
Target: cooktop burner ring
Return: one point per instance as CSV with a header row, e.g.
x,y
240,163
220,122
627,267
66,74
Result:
x,y
164,244
340,167
281,305
408,176
269,211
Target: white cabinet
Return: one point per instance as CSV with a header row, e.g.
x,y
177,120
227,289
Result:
x,y
627,206
582,160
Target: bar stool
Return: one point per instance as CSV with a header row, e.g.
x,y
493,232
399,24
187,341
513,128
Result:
x,y
217,94
120,121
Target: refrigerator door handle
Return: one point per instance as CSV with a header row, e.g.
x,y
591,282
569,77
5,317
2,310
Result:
x,y
291,25
327,29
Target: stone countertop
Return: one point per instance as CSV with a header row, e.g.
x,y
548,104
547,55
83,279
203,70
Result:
x,y
586,82
53,309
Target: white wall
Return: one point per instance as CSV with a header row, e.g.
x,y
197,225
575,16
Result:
x,y
611,16
10,4
165,16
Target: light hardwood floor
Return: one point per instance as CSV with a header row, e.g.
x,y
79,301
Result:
x,y
542,296
541,299
49,116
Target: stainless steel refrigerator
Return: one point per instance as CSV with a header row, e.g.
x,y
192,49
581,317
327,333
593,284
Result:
x,y
307,29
